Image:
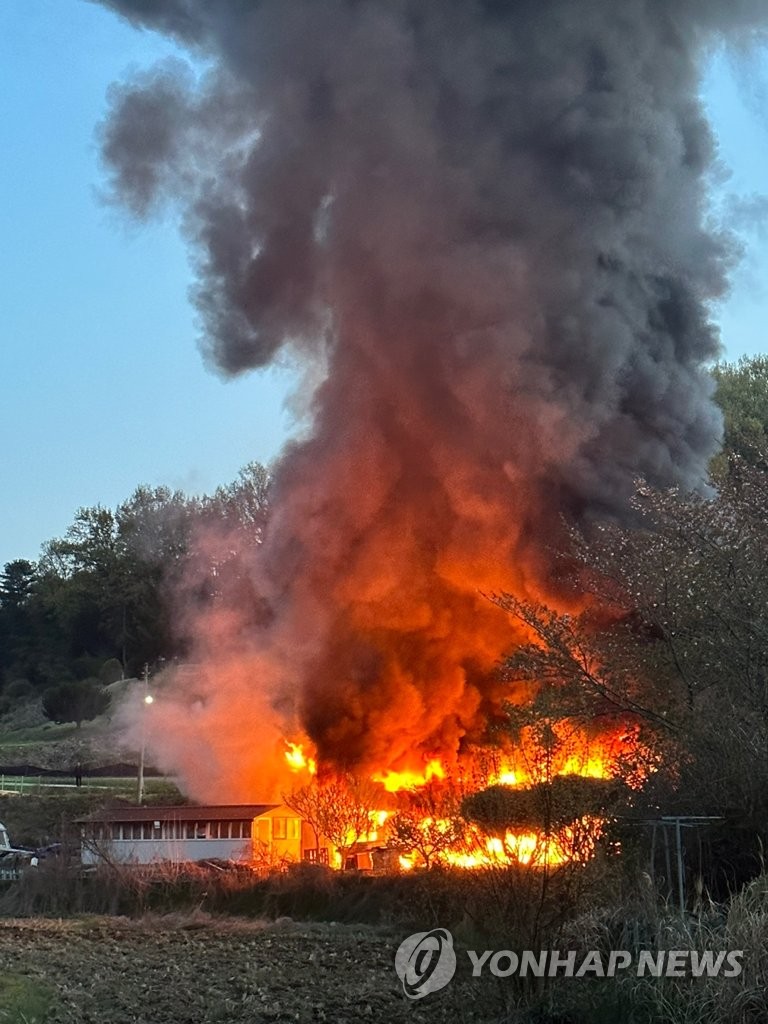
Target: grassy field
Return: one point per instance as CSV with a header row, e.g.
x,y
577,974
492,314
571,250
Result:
x,y
29,741
23,1000
47,732
25,727
155,788
38,818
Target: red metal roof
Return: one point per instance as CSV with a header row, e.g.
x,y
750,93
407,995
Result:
x,y
213,812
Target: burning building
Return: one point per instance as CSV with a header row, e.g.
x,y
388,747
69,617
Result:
x,y
478,227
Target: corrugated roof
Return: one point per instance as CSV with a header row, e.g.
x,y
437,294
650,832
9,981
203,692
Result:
x,y
214,812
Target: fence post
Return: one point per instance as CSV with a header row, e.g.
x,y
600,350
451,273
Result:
x,y
680,873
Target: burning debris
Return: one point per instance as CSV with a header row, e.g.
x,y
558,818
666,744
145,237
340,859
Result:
x,y
478,226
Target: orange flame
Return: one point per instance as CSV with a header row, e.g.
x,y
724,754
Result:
x,y
569,750
394,781
574,843
297,760
572,752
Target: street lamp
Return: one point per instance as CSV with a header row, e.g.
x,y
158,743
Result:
x,y
146,701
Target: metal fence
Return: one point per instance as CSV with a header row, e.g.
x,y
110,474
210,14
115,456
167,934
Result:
x,y
39,783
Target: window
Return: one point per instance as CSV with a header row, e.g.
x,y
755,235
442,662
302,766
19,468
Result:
x,y
169,830
229,830
137,830
286,828
279,828
234,830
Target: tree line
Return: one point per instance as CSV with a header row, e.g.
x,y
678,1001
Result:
x,y
98,604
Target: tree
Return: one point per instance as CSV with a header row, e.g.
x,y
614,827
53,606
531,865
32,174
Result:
x,y
107,588
566,811
430,838
17,625
742,394
675,638
84,581
306,801
77,701
342,808
16,583
229,528
107,582
583,667
155,524
243,504
429,824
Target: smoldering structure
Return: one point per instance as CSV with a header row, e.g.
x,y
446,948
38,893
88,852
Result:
x,y
481,225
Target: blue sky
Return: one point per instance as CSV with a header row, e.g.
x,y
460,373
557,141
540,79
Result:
x,y
103,384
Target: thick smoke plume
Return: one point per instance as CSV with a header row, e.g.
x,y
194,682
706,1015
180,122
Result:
x,y
482,224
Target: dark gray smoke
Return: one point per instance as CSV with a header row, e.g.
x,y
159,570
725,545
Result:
x,y
484,220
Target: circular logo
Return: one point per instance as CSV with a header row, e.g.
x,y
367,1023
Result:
x,y
425,962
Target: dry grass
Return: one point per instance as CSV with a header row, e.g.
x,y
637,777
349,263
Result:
x,y
648,925
304,892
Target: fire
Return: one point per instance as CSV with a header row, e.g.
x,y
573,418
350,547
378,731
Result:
x,y
571,751
541,753
378,818
394,781
297,760
575,843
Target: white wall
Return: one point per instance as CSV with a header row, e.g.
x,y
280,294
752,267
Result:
x,y
145,851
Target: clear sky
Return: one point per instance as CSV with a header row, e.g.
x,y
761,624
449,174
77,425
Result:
x,y
103,387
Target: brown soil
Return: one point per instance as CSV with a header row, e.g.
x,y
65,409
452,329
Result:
x,y
199,970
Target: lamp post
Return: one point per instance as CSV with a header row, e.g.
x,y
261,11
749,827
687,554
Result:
x,y
147,699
